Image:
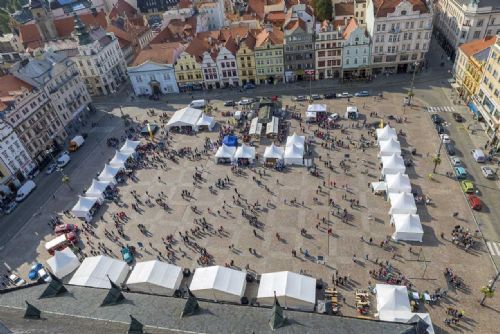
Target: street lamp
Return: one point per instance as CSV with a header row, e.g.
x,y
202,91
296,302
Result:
x,y
410,93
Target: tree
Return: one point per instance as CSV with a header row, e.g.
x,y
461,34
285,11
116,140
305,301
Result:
x,y
323,9
437,162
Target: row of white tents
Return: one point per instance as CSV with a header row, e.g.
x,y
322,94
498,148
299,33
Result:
x,y
212,283
107,178
393,305
234,153
397,185
191,118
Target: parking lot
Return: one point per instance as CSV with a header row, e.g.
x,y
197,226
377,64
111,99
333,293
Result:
x,y
289,207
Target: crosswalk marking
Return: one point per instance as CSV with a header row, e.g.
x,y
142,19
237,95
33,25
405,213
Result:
x,y
440,109
493,247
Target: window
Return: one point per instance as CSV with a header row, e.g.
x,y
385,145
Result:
x,y
476,34
480,23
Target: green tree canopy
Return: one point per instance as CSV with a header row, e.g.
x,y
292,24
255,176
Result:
x,y
323,9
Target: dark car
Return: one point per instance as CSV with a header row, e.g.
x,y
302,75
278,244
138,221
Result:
x,y
457,117
436,119
439,129
249,86
450,148
329,96
229,103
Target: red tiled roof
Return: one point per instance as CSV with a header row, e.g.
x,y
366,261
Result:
x,y
344,9
275,37
478,45
122,8
197,47
176,31
29,33
276,17
384,7
295,24
158,53
10,87
184,4
257,7
66,26
350,27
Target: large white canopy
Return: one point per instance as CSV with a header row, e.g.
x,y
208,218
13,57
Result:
x,y
119,160
129,146
273,152
351,110
255,127
386,133
185,117
378,186
94,272
392,302
389,147
311,115
317,107
218,283
393,164
407,227
292,290
109,173
97,189
225,151
398,183
273,126
83,206
295,140
402,203
207,121
294,155
245,152
155,277
63,262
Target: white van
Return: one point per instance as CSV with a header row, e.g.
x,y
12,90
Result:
x,y
25,190
198,104
63,160
478,155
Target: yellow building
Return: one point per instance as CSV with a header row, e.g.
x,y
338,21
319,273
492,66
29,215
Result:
x,y
188,71
269,56
469,66
245,59
487,100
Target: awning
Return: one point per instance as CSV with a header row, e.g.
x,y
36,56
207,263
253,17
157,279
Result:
x,y
473,108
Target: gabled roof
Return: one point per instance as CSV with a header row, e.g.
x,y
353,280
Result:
x,y
159,53
197,47
176,31
384,7
256,7
249,40
294,24
10,87
477,45
274,37
66,26
275,17
122,8
349,28
30,35
231,45
344,9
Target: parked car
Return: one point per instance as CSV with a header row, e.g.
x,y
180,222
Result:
x,y
439,129
445,138
436,119
457,117
249,85
65,228
245,102
51,168
315,97
25,190
460,173
42,273
127,255
344,95
16,280
488,172
61,242
478,155
229,103
63,160
299,98
10,207
467,186
362,94
329,96
475,202
450,149
455,161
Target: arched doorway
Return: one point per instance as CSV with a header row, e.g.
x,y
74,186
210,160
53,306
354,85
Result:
x,y
270,80
155,87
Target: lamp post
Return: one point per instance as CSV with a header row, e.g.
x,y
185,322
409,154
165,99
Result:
x,y
410,93
489,290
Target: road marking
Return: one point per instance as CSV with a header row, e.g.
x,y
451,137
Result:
x,y
494,248
440,109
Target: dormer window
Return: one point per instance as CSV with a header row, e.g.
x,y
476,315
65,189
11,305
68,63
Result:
x,y
403,12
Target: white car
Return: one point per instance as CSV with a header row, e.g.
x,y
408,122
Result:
x,y
16,280
344,95
455,161
63,160
488,172
445,138
42,273
245,102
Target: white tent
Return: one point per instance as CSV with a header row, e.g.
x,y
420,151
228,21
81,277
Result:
x,y
407,227
292,290
402,203
392,164
390,147
295,140
129,146
294,155
416,317
185,117
311,116
393,303
386,133
351,112
94,272
378,186
207,121
398,183
273,152
119,160
155,277
226,152
272,128
255,127
97,189
83,206
108,173
317,108
63,262
218,283
245,152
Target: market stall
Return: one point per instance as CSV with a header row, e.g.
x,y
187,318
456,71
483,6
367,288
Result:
x,y
119,160
407,227
273,153
63,262
393,303
225,154
272,128
129,147
205,122
389,147
94,272
398,183
392,164
296,140
294,155
402,203
185,119
255,127
85,208
98,189
386,133
351,112
245,154
218,283
155,277
109,173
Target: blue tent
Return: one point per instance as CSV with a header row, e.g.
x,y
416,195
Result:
x,y
230,140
